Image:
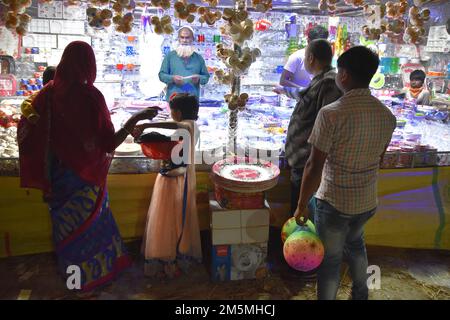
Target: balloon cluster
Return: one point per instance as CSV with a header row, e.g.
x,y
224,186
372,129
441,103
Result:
x,y
262,5
163,25
237,64
329,5
185,11
396,25
16,19
415,30
208,16
212,3
164,4
236,102
99,18
123,22
102,13
239,27
396,10
355,3
373,33
222,77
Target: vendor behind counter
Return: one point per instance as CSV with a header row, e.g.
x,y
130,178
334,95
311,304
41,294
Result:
x,y
417,88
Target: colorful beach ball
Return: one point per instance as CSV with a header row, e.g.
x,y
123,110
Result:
x,y
303,251
290,226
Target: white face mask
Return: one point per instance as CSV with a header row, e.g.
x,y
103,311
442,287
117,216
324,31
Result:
x,y
185,50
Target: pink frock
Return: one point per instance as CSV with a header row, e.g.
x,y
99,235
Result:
x,y
169,246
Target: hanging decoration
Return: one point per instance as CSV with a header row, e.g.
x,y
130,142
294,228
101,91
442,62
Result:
x,y
236,101
208,16
415,31
237,63
262,5
239,26
185,11
73,2
394,24
355,3
212,3
396,10
163,25
329,5
16,19
374,15
102,13
223,77
163,4
99,18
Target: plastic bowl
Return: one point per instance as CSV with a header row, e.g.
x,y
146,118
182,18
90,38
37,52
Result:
x,y
401,123
160,150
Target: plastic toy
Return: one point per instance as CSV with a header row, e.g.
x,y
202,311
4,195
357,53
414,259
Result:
x,y
291,226
163,25
303,251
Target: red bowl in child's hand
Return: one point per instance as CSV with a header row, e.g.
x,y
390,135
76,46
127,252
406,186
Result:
x,y
158,150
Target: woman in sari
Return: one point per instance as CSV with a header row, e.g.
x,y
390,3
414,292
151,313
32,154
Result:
x,y
67,154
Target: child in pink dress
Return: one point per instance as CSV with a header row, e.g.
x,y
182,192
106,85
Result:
x,y
172,237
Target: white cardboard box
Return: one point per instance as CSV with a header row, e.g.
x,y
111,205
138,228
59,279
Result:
x,y
239,226
255,218
228,219
255,234
226,227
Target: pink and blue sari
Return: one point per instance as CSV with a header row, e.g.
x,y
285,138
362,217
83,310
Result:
x,y
84,230
75,129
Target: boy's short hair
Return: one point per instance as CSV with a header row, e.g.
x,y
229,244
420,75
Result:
x,y
48,75
417,75
321,50
187,104
317,32
360,62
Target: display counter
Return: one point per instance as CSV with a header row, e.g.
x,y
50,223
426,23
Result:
x,y
414,195
421,139
414,209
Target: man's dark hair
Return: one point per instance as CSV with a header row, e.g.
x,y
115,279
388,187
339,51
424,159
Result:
x,y
417,75
360,62
317,32
321,50
48,75
187,104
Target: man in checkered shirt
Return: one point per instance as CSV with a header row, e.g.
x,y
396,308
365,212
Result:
x,y
321,91
348,141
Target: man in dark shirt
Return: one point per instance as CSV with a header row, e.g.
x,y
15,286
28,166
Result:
x,y
321,91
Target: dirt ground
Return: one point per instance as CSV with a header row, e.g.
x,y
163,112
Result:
x,y
406,274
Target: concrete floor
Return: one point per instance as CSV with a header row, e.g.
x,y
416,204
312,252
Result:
x,y
405,274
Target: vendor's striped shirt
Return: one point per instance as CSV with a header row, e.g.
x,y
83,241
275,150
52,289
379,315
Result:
x,y
354,132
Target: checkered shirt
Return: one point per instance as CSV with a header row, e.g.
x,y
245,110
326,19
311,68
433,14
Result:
x,y
354,132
